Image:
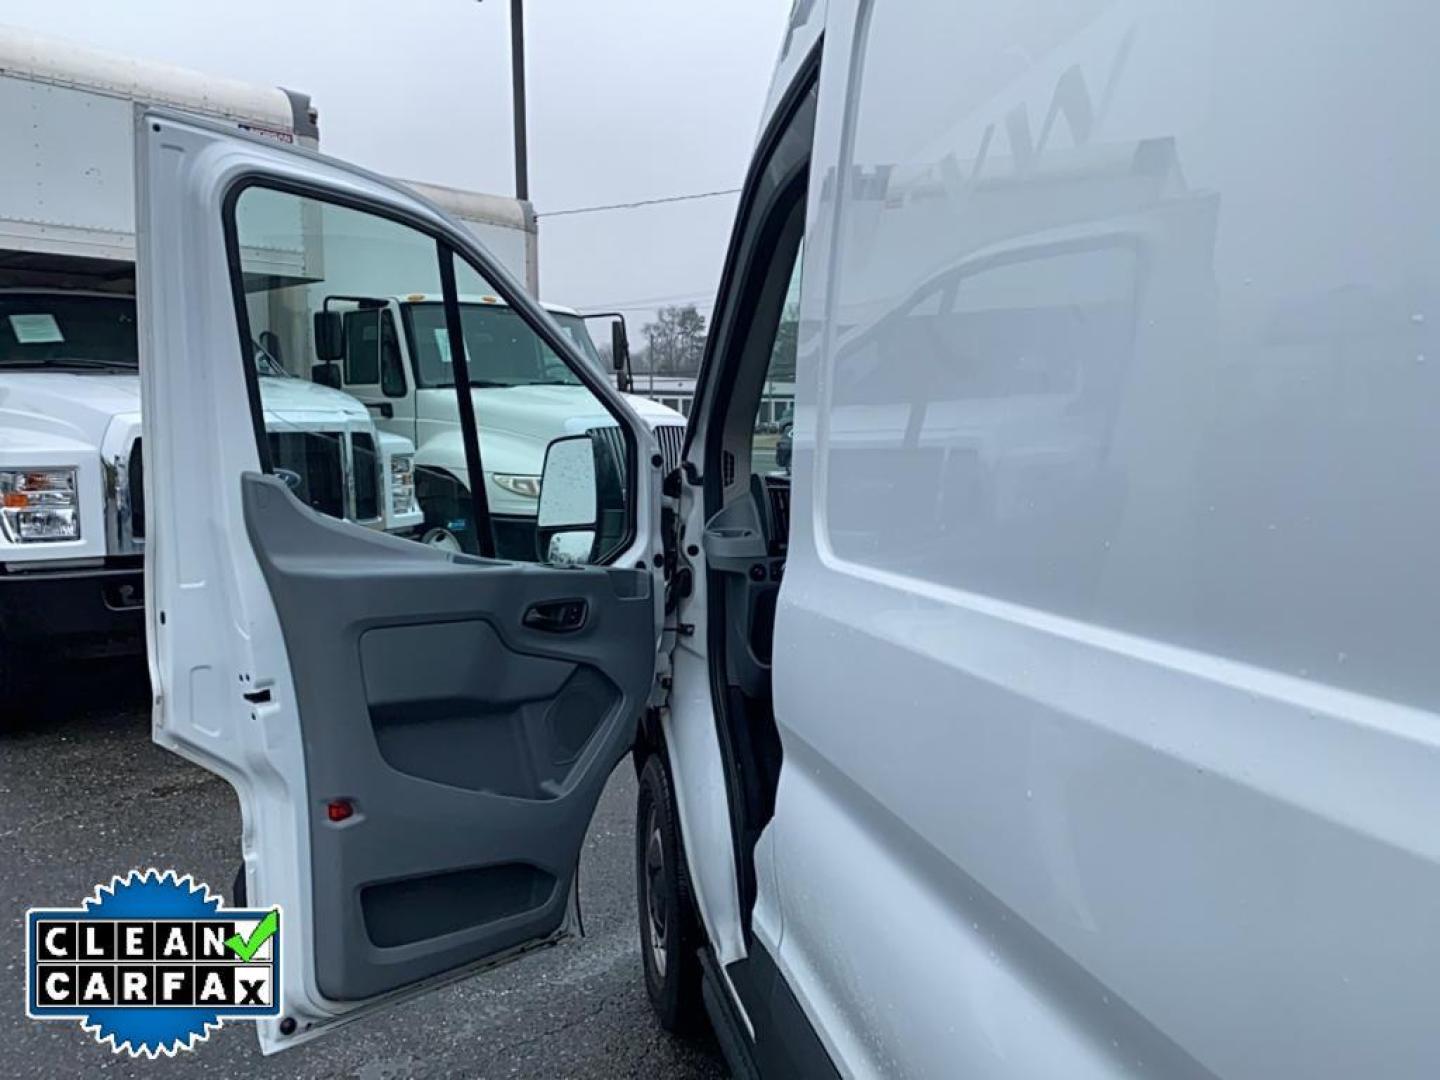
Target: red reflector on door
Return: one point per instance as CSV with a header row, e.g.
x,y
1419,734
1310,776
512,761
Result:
x,y
339,809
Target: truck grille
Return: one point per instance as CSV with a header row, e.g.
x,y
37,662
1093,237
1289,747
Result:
x,y
314,463
366,464
672,440
609,443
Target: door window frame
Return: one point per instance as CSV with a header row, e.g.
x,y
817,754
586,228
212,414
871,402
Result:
x,y
446,252
768,203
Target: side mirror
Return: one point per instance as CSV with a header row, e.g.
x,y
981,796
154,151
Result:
x,y
329,336
326,374
566,521
620,354
619,346
270,342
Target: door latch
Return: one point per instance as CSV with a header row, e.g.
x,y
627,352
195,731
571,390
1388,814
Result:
x,y
557,616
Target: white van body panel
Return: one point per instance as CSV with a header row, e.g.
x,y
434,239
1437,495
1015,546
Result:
x,y
1104,659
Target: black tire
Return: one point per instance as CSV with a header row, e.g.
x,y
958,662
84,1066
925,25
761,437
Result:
x,y
439,498
670,932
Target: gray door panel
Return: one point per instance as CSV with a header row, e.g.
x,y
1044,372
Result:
x,y
472,747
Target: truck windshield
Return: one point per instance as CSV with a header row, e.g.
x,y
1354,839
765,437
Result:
x,y
56,330
500,349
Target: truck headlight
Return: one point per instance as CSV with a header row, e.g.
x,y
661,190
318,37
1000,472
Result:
x,y
527,487
402,483
38,505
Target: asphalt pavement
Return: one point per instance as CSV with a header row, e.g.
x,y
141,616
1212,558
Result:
x,y
84,795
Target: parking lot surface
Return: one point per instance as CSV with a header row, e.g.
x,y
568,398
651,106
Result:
x,y
84,794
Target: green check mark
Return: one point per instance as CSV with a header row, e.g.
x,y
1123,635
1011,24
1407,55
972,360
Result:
x,y
245,948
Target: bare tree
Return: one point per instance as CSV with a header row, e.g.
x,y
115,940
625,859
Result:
x,y
675,341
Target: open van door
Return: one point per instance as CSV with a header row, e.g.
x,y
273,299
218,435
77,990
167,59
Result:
x,y
417,737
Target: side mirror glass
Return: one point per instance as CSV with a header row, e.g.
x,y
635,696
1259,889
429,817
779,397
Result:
x,y
329,336
566,521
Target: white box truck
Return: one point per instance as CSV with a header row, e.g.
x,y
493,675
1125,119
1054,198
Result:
x,y
72,520
393,354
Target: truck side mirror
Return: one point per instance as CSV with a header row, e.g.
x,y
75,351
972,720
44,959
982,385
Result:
x,y
329,336
270,342
619,347
620,354
566,519
326,374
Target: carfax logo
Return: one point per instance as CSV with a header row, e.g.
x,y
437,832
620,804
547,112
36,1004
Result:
x,y
152,963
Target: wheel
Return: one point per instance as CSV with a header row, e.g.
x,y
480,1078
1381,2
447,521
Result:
x,y
446,526
670,933
440,537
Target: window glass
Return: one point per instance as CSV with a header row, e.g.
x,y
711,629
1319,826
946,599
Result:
x,y
295,254
56,330
406,467
392,367
525,396
362,347
502,348
577,333
770,448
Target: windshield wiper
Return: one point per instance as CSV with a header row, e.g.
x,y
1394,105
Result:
x,y
75,362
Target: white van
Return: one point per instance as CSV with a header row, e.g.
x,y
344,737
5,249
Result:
x,y
393,354
1068,710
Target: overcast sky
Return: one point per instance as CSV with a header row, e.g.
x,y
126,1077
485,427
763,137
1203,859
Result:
x,y
628,100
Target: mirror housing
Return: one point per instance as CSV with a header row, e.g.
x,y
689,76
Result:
x,y
619,346
326,374
566,523
270,342
329,336
620,354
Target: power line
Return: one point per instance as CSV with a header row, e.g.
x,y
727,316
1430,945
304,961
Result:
x,y
641,202
645,302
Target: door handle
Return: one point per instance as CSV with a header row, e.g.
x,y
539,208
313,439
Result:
x,y
384,408
557,616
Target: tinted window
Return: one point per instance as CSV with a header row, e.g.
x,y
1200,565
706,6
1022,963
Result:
x,y
362,347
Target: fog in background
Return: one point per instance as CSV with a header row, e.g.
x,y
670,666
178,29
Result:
x,y
628,100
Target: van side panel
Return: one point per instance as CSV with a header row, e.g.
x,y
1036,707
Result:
x,y
1115,461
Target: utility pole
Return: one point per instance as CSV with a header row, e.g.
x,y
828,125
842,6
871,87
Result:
x,y
517,96
517,77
